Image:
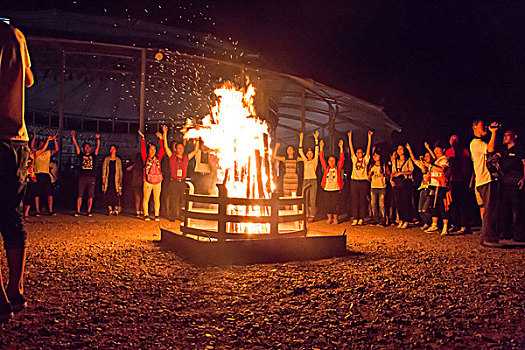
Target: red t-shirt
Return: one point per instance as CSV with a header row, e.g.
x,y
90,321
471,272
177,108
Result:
x,y
179,166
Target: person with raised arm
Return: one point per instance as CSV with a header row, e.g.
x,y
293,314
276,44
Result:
x,y
359,184
487,185
152,174
290,179
332,181
439,191
401,181
178,172
424,192
43,175
310,161
378,174
87,172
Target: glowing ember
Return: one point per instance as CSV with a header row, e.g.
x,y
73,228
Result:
x,y
240,141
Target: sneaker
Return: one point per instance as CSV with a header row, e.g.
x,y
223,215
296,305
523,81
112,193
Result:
x,y
354,222
139,214
6,313
400,224
110,212
405,225
77,214
157,218
52,213
424,227
444,231
89,213
37,213
360,222
432,229
18,302
146,218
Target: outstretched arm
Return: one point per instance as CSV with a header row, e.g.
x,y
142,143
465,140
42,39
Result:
x,y
427,146
369,145
98,144
275,156
321,155
160,154
55,151
165,139
411,153
341,156
301,153
493,128
194,152
143,152
77,149
352,153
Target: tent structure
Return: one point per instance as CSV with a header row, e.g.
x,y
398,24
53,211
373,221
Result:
x,y
115,76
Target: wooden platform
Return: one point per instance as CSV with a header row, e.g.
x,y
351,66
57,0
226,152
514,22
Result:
x,y
266,250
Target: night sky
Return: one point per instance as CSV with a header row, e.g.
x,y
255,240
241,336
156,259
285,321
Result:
x,y
434,65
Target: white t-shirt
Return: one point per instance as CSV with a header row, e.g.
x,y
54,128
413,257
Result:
x,y
202,162
42,162
310,165
359,167
478,152
436,174
331,180
378,177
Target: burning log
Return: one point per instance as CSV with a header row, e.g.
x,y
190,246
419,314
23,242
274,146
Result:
x,y
267,166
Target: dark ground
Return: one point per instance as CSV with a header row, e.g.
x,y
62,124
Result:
x,y
102,283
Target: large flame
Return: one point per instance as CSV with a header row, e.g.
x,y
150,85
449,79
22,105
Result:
x,y
240,142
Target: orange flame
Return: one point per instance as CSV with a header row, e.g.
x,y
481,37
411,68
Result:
x,y
240,141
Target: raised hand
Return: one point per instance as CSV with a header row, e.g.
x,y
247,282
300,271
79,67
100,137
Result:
x,y
73,133
427,145
349,134
408,145
141,134
370,133
164,129
321,143
301,135
159,135
341,143
316,134
97,136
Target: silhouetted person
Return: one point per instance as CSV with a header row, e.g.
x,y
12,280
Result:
x,y
15,76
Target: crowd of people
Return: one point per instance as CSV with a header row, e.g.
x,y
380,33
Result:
x,y
434,190
369,185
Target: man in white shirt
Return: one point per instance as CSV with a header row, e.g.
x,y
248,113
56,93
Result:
x,y
15,76
487,187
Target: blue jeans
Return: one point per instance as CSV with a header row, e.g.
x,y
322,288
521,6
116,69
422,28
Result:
x,y
377,202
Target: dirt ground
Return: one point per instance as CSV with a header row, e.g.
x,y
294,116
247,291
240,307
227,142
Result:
x,y
103,282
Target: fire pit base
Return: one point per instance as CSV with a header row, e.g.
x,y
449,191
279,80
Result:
x,y
253,251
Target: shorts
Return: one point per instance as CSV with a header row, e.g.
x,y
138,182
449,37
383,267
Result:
x,y
43,182
86,186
